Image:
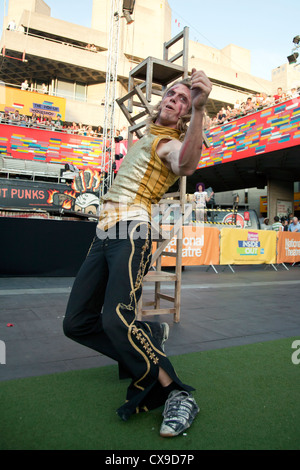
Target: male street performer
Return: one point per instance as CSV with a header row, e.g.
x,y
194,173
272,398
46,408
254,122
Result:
x,y
102,307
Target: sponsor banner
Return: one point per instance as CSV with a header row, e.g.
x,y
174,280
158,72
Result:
x,y
200,247
247,247
288,247
82,195
28,102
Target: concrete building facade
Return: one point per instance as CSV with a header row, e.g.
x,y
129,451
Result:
x,y
56,53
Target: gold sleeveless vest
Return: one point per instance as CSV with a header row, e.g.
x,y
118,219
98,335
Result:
x,y
142,180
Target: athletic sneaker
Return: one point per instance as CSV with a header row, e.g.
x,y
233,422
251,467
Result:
x,y
179,413
162,334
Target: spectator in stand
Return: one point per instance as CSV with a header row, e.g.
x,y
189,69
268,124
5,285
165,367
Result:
x,y
283,97
58,124
124,133
74,128
278,95
277,226
44,89
12,25
206,122
221,116
293,93
90,131
257,100
24,85
249,107
16,118
33,119
266,100
80,130
21,28
295,225
214,121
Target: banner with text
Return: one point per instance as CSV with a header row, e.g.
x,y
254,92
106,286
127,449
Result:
x,y
200,247
288,247
28,102
247,247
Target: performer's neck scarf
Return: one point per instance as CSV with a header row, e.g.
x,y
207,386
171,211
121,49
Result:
x,y
161,130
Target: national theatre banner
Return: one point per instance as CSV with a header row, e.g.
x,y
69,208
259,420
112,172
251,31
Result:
x,y
247,247
200,247
288,247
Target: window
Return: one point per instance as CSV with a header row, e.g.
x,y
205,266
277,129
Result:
x,y
65,89
80,92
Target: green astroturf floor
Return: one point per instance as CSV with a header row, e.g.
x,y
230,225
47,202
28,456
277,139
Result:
x,y
249,398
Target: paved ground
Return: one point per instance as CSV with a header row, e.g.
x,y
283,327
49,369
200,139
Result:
x,y
254,304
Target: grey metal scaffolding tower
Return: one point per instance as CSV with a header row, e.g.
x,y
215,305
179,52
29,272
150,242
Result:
x,y
108,146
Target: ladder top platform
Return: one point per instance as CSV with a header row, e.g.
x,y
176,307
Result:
x,y
163,71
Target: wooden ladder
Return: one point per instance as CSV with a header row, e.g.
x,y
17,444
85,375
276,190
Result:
x,y
159,276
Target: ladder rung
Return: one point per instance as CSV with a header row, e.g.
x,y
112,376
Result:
x,y
158,311
169,253
169,298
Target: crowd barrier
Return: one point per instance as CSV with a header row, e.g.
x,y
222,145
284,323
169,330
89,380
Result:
x,y
210,246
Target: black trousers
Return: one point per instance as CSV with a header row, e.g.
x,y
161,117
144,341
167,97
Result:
x,y
102,308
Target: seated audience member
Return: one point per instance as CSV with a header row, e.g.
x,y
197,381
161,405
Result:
x,y
24,121
33,119
221,116
283,97
257,100
266,100
214,122
277,96
293,93
12,26
206,122
57,123
16,117
124,133
82,130
249,106
90,131
21,28
24,85
74,128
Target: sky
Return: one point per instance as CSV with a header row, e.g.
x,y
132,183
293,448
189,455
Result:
x,y
265,27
